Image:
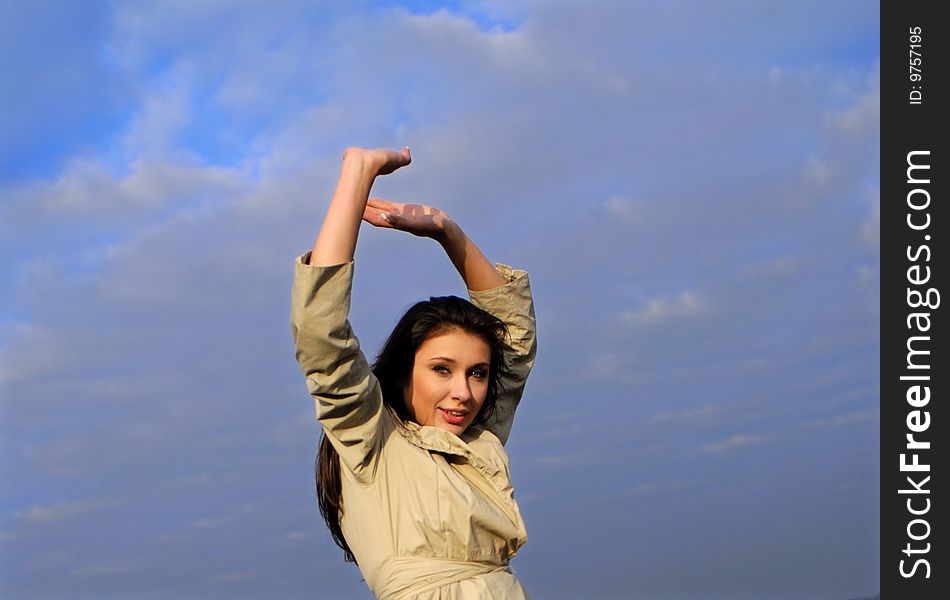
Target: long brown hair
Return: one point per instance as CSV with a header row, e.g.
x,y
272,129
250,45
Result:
x,y
393,368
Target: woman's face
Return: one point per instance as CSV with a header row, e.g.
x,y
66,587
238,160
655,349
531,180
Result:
x,y
449,381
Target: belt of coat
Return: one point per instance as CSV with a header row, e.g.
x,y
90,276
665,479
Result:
x,y
402,577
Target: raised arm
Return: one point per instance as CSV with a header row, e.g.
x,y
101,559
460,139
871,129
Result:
x,y
347,396
505,293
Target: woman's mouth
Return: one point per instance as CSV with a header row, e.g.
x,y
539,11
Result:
x,y
453,417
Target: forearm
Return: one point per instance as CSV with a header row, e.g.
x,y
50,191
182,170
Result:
x,y
477,272
336,242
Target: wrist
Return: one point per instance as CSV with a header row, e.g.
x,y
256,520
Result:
x,y
360,161
450,234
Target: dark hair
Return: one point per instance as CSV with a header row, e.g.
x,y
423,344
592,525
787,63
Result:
x,y
393,369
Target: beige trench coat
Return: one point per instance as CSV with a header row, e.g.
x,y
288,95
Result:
x,y
428,514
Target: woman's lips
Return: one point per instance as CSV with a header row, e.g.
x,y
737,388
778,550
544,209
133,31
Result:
x,y
453,419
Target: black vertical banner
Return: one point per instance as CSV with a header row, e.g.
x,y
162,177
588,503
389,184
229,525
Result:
x,y
915,376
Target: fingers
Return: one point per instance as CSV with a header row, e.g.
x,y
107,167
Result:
x,y
382,213
385,205
399,159
402,209
376,221
374,216
390,160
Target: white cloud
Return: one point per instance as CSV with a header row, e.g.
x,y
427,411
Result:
x,y
572,459
847,419
867,275
226,516
775,267
164,113
29,349
647,488
241,576
863,117
74,456
739,440
624,209
105,569
59,511
686,305
817,172
776,76
86,188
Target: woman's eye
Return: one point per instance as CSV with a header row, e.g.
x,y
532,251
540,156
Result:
x,y
441,369
479,374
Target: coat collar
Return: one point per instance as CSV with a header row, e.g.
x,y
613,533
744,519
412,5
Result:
x,y
439,440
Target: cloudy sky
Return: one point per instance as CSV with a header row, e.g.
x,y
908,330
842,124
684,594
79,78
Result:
x,y
692,186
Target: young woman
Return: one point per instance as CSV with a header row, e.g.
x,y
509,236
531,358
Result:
x,y
412,473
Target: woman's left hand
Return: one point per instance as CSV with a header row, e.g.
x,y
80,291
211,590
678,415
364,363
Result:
x,y
417,219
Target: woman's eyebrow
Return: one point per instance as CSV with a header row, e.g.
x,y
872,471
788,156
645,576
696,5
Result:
x,y
452,360
443,358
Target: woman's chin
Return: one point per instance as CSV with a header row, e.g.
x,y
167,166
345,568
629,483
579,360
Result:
x,y
451,427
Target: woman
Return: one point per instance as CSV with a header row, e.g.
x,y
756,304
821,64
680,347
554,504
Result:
x,y
413,476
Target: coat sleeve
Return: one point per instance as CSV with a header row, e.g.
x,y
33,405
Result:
x,y
512,303
346,393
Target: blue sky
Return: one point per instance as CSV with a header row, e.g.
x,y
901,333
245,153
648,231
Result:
x,y
692,186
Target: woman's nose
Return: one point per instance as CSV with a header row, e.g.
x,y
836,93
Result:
x,y
461,389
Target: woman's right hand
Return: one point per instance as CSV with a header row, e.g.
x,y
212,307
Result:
x,y
336,241
382,161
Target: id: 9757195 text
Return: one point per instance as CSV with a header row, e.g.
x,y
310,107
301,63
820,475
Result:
x,y
916,74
